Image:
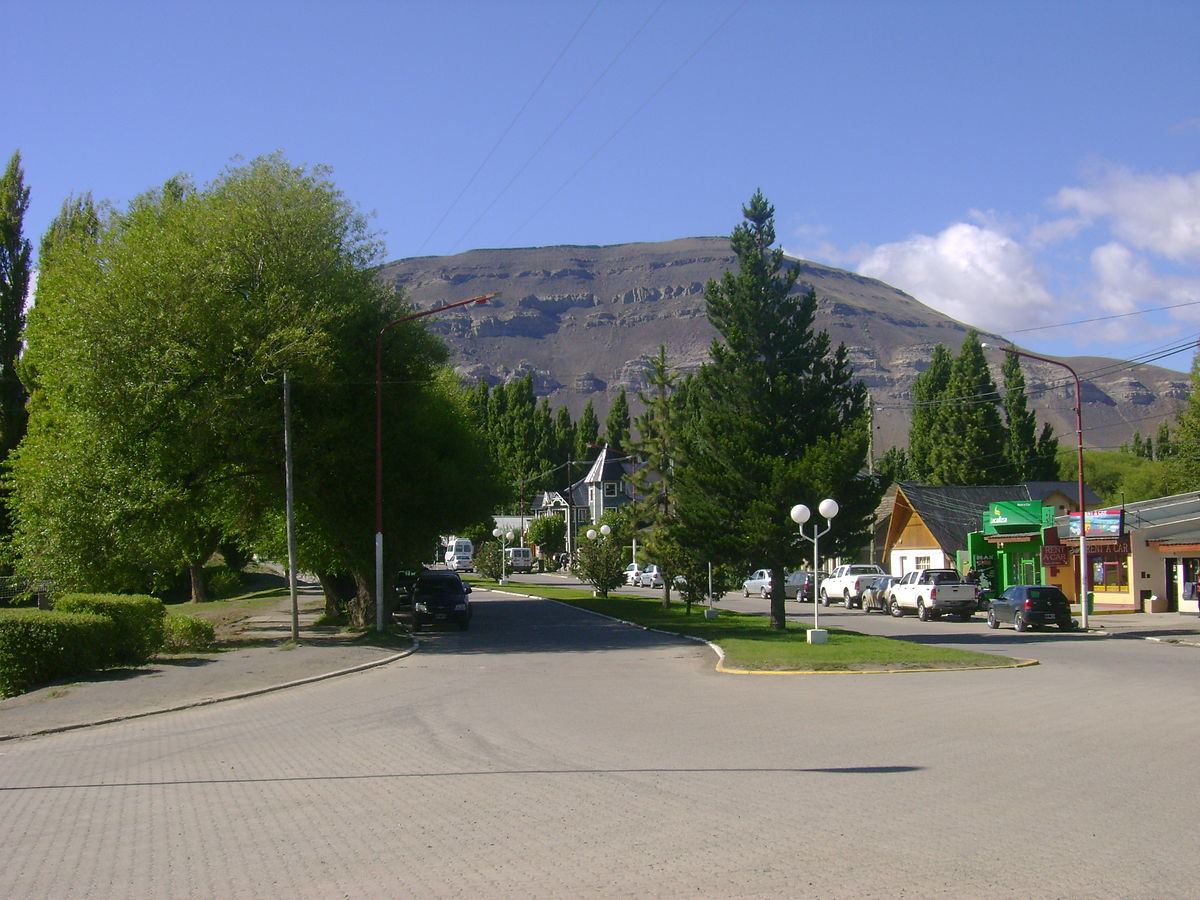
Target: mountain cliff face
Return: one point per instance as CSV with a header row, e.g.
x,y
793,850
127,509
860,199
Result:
x,y
587,320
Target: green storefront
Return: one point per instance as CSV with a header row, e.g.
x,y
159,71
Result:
x,y
1009,549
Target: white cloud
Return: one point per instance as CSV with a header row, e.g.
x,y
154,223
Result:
x,y
976,273
1157,213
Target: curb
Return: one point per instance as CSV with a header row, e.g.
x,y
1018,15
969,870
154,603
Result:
x,y
207,701
720,667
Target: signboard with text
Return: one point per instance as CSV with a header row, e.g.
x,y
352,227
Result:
x,y
1099,523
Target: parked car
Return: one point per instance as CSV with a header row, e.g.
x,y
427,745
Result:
x,y
1031,606
649,577
406,580
759,583
440,596
931,592
846,583
875,594
632,573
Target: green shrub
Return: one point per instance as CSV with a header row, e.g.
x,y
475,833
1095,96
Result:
x,y
37,647
138,619
184,633
222,580
487,559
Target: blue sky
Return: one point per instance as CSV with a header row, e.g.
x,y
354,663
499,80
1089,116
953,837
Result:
x,y
1017,165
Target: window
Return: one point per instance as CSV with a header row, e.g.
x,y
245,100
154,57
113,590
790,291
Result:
x,y
922,562
1110,571
610,489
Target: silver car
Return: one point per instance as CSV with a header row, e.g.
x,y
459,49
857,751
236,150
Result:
x,y
759,583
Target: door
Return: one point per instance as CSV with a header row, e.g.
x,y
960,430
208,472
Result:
x,y
1172,585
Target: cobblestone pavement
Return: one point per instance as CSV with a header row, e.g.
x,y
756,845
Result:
x,y
549,753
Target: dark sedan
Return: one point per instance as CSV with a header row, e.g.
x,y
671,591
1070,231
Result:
x,y
1029,606
440,596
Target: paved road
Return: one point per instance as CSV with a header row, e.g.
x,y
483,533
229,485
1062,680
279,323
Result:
x,y
550,753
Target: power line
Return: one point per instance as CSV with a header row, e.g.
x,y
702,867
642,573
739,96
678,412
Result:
x,y
512,122
1136,312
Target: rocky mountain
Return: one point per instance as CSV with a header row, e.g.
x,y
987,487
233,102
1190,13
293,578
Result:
x,y
586,320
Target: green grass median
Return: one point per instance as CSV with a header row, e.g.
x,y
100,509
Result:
x,y
749,642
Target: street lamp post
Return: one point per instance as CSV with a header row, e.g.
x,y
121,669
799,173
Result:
x,y
379,440
504,537
593,535
801,514
1083,554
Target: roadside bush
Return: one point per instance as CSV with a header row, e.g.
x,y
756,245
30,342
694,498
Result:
x,y
138,619
222,581
487,559
184,633
37,647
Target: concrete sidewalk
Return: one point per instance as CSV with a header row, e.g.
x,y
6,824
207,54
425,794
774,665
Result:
x,y
261,658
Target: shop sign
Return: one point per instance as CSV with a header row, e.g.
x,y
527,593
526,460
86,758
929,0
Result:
x,y
1013,515
1055,556
1099,523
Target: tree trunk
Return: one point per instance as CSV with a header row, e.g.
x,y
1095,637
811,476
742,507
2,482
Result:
x,y
337,590
199,590
778,601
362,605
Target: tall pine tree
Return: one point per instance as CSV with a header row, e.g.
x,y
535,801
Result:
x,y
928,392
1029,456
616,425
15,272
779,420
968,444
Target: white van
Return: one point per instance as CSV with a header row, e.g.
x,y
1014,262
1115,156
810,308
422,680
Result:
x,y
460,555
518,559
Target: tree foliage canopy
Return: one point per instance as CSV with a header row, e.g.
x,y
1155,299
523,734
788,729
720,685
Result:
x,y
774,419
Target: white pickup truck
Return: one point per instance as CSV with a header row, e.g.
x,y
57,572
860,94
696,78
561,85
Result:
x,y
931,592
847,583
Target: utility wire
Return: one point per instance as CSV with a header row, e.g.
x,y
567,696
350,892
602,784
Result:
x,y
520,112
570,112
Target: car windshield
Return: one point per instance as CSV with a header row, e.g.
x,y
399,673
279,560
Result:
x,y
1046,593
440,584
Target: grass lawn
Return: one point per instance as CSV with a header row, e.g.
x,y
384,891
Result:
x,y
750,643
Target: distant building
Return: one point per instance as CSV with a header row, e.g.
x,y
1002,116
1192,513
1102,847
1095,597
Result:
x,y
606,486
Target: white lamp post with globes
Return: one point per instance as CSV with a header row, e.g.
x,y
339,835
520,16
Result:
x,y
801,514
504,537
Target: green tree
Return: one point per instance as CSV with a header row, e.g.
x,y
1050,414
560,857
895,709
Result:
x,y
656,449
616,425
601,561
777,419
969,440
1183,465
1030,456
158,349
929,393
1163,446
548,534
15,272
587,433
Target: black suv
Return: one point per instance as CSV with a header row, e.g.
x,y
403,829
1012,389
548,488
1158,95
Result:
x,y
1031,606
440,596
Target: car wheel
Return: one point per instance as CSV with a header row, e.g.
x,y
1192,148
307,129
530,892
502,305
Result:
x,y
922,612
745,591
896,610
824,598
993,622
1019,622
765,594
1068,625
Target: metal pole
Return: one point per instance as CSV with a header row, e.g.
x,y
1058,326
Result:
x,y
1083,554
379,441
291,506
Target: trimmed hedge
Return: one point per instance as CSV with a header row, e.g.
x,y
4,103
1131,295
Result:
x,y
139,620
183,633
37,647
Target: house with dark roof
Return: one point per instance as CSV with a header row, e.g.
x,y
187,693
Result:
x,y
928,525
604,487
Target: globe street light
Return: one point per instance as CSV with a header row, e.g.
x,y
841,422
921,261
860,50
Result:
x,y
379,440
801,514
1083,557
503,537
